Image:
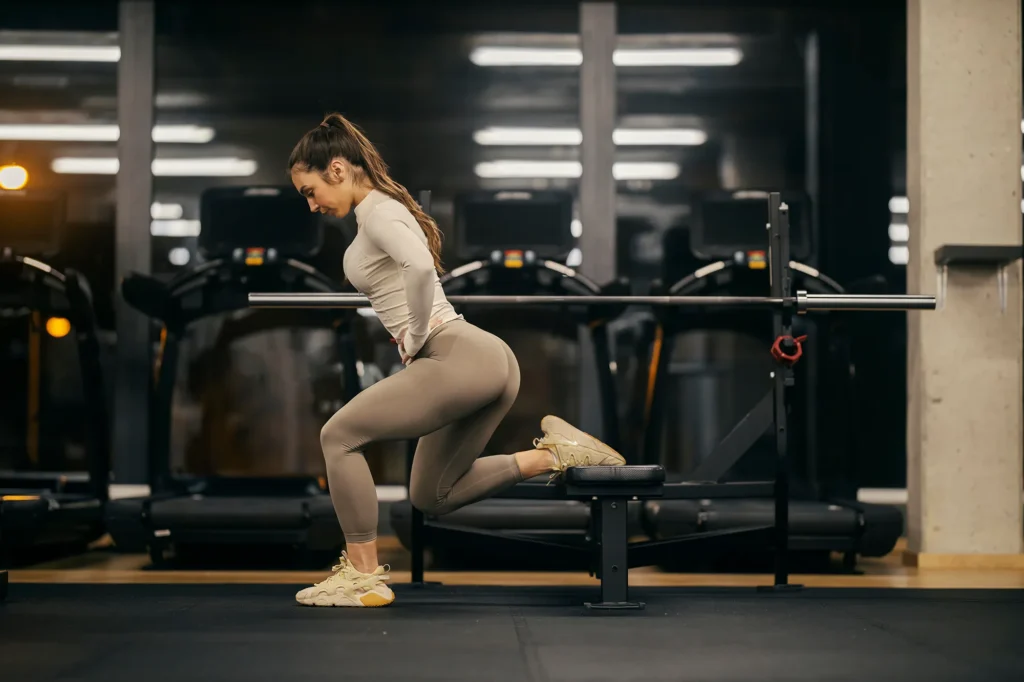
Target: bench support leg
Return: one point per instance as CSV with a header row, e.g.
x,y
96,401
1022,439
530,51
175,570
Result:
x,y
611,521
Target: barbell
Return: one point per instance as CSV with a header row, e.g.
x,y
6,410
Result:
x,y
802,302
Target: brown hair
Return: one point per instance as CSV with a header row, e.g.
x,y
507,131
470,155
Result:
x,y
338,137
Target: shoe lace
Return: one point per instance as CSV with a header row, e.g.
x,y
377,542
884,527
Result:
x,y
353,580
572,459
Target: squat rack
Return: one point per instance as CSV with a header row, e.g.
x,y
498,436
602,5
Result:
x,y
608,491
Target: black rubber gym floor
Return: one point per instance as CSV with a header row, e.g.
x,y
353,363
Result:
x,y
250,633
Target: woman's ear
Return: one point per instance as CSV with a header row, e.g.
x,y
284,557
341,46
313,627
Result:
x,y
337,170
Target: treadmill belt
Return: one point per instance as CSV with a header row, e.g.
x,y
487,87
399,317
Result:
x,y
240,512
257,633
676,517
872,529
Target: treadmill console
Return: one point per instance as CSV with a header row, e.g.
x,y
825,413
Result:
x,y
255,226
31,222
514,227
733,226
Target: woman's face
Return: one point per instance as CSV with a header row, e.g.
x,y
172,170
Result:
x,y
334,197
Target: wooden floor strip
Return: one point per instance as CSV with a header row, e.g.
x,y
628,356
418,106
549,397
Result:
x,y
106,567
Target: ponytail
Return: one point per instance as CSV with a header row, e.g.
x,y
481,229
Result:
x,y
336,137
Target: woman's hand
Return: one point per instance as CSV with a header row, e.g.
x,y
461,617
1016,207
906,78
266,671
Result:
x,y
400,341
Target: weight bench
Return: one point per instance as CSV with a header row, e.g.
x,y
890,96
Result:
x,y
609,488
606,549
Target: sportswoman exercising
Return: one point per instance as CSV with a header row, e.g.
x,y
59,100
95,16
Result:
x,y
459,380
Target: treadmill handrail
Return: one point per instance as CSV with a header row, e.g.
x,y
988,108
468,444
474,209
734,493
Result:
x,y
39,265
81,316
698,277
550,265
44,274
202,275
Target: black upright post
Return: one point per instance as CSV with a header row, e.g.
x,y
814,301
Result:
x,y
417,529
3,573
781,287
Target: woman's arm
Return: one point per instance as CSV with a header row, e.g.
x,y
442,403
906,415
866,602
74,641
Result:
x,y
395,238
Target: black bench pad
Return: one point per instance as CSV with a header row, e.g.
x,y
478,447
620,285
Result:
x,y
647,474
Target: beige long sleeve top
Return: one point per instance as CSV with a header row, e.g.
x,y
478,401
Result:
x,y
390,263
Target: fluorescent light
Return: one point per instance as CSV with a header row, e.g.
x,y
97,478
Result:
x,y
208,167
58,132
574,136
575,258
576,228
526,56
213,166
900,255
179,256
899,205
659,136
528,136
529,169
60,53
533,56
574,169
899,232
158,211
100,132
175,228
645,171
84,166
703,56
185,134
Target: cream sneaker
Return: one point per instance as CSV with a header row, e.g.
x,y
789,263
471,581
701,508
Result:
x,y
349,587
573,448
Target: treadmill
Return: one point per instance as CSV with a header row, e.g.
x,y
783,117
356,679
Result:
x,y
516,244
253,239
48,507
824,515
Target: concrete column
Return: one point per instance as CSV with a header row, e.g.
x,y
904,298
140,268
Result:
x,y
597,194
597,197
964,364
135,78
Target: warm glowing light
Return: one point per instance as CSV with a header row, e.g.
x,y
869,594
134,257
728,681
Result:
x,y
58,327
13,177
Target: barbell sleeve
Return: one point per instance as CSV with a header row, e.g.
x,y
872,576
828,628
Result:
x,y
826,302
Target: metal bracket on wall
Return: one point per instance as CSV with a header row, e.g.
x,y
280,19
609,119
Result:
x,y
976,256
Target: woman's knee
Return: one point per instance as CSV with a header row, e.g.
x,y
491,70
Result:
x,y
339,436
427,498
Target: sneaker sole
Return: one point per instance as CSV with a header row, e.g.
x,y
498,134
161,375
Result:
x,y
371,600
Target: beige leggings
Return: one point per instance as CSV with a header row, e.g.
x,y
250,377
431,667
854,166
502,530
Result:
x,y
452,397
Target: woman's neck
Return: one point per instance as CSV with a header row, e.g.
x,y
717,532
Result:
x,y
360,192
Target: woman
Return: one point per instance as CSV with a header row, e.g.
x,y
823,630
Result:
x,y
458,384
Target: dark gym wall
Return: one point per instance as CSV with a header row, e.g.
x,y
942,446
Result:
x,y
860,84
